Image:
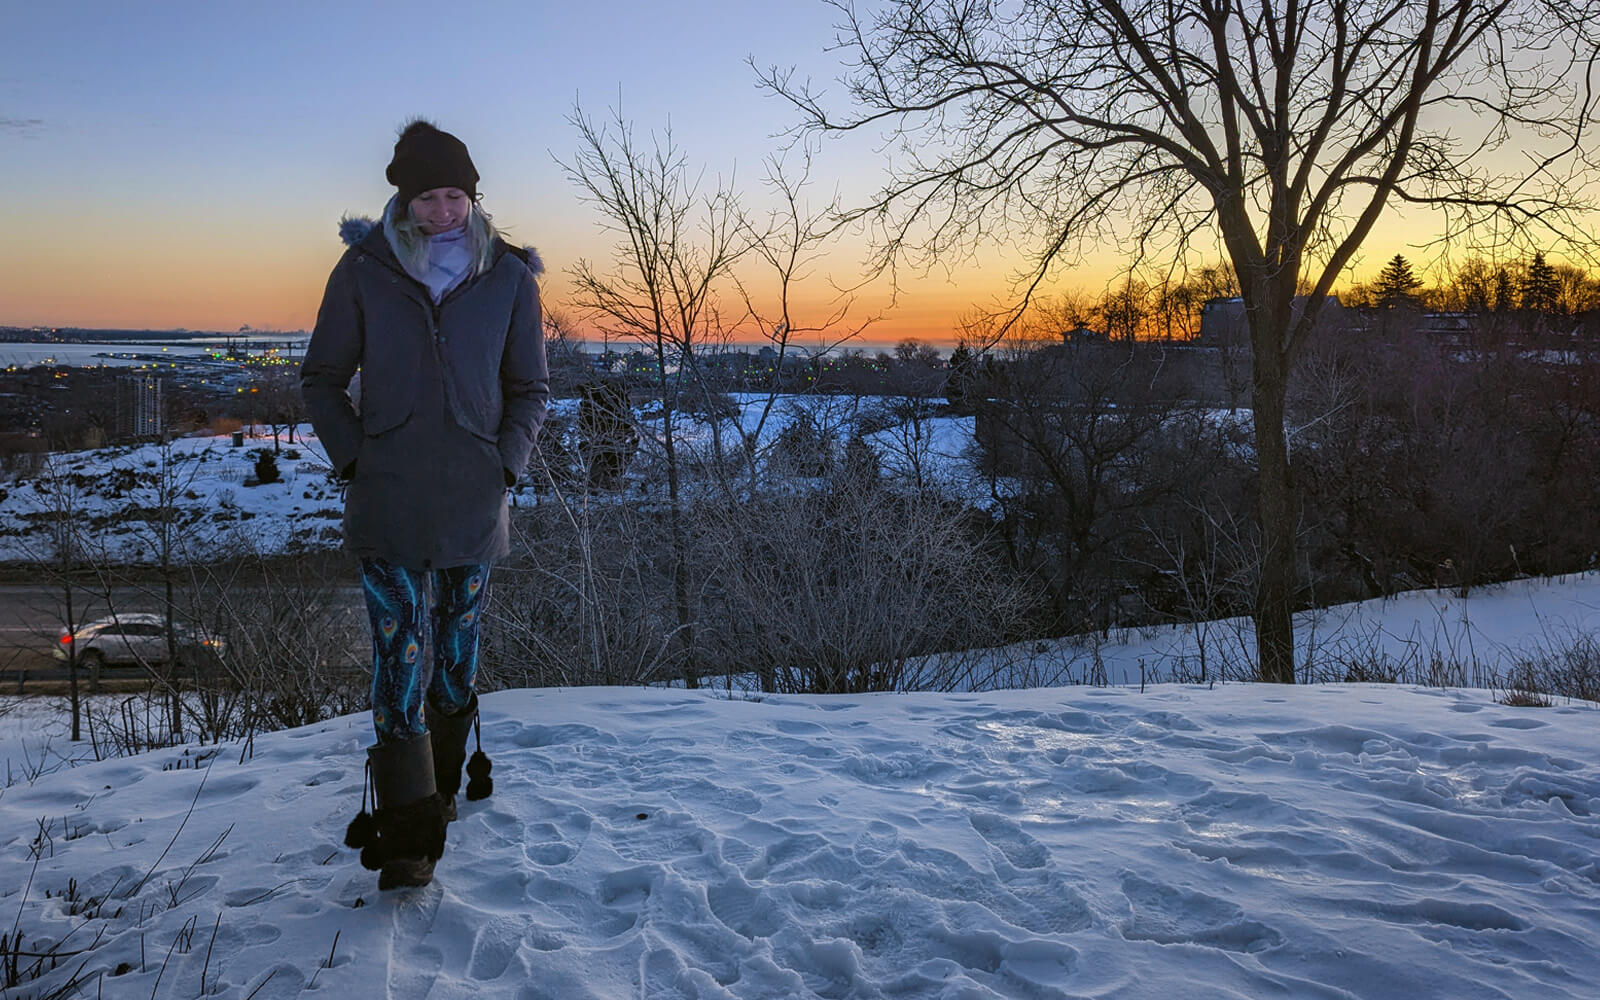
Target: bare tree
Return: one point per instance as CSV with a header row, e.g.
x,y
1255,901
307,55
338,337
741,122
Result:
x,y
663,287
161,520
1181,296
906,444
57,498
1125,307
565,349
1280,129
1576,290
278,400
1092,440
786,250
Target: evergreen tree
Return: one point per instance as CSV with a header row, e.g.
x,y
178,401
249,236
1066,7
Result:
x,y
1396,283
1502,290
1539,287
959,381
861,469
804,447
266,467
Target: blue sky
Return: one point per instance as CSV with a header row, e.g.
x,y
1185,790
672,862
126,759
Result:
x,y
185,164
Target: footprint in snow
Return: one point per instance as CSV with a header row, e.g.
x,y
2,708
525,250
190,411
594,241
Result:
x,y
875,844
734,800
413,964
743,909
792,727
662,973
291,792
1519,723
577,910
1020,848
495,942
533,737
1169,914
547,845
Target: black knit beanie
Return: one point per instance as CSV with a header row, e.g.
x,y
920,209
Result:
x,y
426,158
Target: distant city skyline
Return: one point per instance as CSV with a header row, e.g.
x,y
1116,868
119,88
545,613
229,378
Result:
x,y
185,164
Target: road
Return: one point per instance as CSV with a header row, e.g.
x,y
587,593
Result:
x,y
32,616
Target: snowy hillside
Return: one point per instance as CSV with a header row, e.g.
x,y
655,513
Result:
x,y
223,509
1432,636
1245,841
212,485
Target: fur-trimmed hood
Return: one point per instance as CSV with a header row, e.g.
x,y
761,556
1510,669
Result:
x,y
355,228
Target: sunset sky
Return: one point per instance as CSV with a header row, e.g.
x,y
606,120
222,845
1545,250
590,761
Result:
x,y
185,164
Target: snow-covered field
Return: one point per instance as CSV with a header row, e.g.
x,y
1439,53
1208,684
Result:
x,y
1237,841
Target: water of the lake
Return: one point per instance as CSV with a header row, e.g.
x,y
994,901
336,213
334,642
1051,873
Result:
x,y
120,355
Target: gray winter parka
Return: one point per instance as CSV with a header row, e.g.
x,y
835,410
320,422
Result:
x,y
450,402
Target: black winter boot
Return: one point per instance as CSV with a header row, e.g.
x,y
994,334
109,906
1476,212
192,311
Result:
x,y
410,814
448,734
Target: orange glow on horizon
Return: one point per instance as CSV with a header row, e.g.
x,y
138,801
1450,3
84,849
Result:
x,y
197,278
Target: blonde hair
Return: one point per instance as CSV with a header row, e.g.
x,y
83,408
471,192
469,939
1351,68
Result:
x,y
410,243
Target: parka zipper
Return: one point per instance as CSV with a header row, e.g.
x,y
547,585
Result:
x,y
434,310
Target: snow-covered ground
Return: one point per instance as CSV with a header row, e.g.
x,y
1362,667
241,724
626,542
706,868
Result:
x,y
1433,635
1193,841
204,478
1236,840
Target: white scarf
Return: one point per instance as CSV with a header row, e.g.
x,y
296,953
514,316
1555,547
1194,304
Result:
x,y
449,260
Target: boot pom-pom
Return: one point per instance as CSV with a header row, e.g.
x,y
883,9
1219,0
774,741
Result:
x,y
373,856
363,830
479,784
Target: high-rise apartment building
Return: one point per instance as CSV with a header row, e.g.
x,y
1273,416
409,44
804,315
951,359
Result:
x,y
140,406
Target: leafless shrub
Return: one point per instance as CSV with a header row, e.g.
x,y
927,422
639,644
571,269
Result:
x,y
843,590
132,725
838,586
1426,464
1205,564
1560,664
805,447
297,637
583,600
289,637
1523,689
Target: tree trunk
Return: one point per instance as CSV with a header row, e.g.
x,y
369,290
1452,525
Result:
x,y
72,652
176,699
680,545
1277,516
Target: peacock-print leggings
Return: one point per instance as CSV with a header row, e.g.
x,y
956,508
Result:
x,y
397,603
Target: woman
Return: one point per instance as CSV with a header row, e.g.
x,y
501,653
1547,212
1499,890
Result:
x,y
441,316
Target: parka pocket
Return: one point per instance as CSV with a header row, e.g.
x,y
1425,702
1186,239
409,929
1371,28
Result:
x,y
391,368
383,421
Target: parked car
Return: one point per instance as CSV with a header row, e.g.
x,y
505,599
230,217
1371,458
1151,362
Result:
x,y
138,637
